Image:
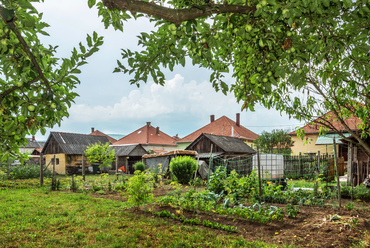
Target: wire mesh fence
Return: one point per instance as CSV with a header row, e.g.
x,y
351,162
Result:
x,y
279,166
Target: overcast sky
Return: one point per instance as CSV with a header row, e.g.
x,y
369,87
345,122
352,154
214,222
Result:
x,y
110,104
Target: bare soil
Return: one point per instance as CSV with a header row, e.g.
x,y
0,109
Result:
x,y
312,227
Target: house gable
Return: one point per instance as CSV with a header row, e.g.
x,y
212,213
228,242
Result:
x,y
223,126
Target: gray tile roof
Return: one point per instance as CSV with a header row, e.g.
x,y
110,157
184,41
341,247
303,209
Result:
x,y
73,143
230,144
129,150
33,144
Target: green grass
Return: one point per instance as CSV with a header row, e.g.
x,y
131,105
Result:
x,y
39,217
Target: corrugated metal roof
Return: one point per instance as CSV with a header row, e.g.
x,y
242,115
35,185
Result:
x,y
32,143
328,139
208,155
73,143
129,150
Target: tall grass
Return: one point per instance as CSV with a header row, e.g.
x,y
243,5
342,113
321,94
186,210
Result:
x,y
40,218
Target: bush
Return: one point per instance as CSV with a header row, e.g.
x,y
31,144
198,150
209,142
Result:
x,y
139,189
183,168
216,182
24,172
139,166
359,192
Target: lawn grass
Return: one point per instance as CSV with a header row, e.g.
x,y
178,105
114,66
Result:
x,y
43,218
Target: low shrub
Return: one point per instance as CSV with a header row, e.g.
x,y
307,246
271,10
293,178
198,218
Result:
x,y
139,189
27,171
359,192
183,168
139,166
216,182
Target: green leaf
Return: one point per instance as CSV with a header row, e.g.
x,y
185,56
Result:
x,y
347,4
91,3
8,14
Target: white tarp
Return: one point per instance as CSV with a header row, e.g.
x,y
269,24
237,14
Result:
x,y
203,169
272,165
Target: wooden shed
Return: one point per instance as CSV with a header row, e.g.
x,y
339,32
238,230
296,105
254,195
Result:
x,y
221,146
128,155
68,149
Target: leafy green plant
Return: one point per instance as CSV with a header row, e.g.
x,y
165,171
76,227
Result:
x,y
26,171
100,153
139,189
292,211
139,166
350,206
216,182
183,168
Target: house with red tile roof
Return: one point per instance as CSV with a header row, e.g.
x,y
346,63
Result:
x,y
151,138
98,133
313,142
223,126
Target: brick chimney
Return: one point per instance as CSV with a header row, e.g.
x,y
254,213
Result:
x,y
238,119
157,130
33,138
148,123
92,129
212,118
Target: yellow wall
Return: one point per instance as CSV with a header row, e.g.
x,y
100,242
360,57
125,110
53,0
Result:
x,y
307,145
59,168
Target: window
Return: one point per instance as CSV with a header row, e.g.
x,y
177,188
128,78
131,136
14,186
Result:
x,y
57,161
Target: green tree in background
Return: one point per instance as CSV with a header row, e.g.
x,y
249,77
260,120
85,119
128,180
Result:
x,y
99,153
278,141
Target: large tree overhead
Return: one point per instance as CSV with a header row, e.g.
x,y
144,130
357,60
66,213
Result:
x,y
35,86
301,57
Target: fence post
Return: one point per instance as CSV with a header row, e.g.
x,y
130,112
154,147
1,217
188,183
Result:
x,y
336,165
83,167
7,166
117,168
349,165
210,162
300,165
54,166
259,170
41,170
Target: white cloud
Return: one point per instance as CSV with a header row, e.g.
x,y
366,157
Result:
x,y
152,100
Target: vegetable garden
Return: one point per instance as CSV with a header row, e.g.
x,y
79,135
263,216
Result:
x,y
227,205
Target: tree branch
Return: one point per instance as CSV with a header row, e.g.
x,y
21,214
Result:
x,y
176,15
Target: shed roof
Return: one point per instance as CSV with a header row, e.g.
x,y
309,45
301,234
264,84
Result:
x,y
227,144
328,139
175,152
129,150
73,143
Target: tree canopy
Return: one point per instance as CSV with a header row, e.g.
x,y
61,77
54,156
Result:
x,y
276,141
100,153
36,88
301,57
